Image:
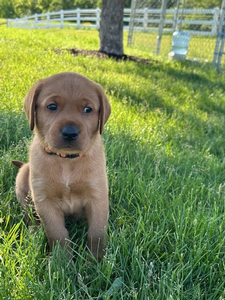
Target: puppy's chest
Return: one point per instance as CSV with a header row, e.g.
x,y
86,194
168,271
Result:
x,y
71,187
72,195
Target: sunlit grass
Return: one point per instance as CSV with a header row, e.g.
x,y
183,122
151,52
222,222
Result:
x,y
164,145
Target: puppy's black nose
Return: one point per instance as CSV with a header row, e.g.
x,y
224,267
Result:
x,y
69,133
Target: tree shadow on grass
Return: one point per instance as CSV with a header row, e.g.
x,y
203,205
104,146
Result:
x,y
172,81
187,73
14,138
13,128
155,182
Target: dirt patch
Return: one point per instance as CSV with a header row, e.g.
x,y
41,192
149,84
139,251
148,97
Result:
x,y
95,53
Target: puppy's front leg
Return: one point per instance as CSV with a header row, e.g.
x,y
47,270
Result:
x,y
97,217
54,224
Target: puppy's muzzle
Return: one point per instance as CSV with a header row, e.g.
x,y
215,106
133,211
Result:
x,y
69,133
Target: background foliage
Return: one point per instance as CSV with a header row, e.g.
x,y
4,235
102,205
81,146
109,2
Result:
x,y
20,8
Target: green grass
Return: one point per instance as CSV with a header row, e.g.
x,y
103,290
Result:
x,y
165,152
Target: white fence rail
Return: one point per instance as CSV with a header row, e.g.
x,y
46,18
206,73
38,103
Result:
x,y
199,22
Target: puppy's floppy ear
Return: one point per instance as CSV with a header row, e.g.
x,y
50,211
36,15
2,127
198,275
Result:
x,y
105,109
30,103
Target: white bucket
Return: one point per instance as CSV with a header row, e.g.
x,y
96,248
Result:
x,y
180,44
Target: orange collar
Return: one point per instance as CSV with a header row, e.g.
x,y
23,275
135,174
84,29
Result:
x,y
63,155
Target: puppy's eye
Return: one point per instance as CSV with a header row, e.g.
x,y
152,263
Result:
x,y
87,110
52,107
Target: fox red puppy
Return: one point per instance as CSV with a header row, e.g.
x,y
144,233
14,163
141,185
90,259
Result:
x,y
66,172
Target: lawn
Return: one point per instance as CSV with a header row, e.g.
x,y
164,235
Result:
x,y
164,144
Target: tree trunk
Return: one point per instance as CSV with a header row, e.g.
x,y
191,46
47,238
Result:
x,y
111,27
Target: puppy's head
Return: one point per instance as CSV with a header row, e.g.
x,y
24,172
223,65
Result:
x,y
67,110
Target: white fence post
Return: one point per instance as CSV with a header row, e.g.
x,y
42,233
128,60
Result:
x,y
36,21
48,20
98,10
78,18
61,18
145,19
25,22
216,13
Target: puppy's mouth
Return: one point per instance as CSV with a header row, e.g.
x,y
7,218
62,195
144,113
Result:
x,y
67,147
64,148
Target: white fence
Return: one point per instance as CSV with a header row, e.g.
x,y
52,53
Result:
x,y
196,22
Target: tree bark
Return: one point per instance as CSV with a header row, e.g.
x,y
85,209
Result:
x,y
111,27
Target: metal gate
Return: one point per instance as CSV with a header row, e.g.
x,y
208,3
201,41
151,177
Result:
x,y
162,18
219,48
